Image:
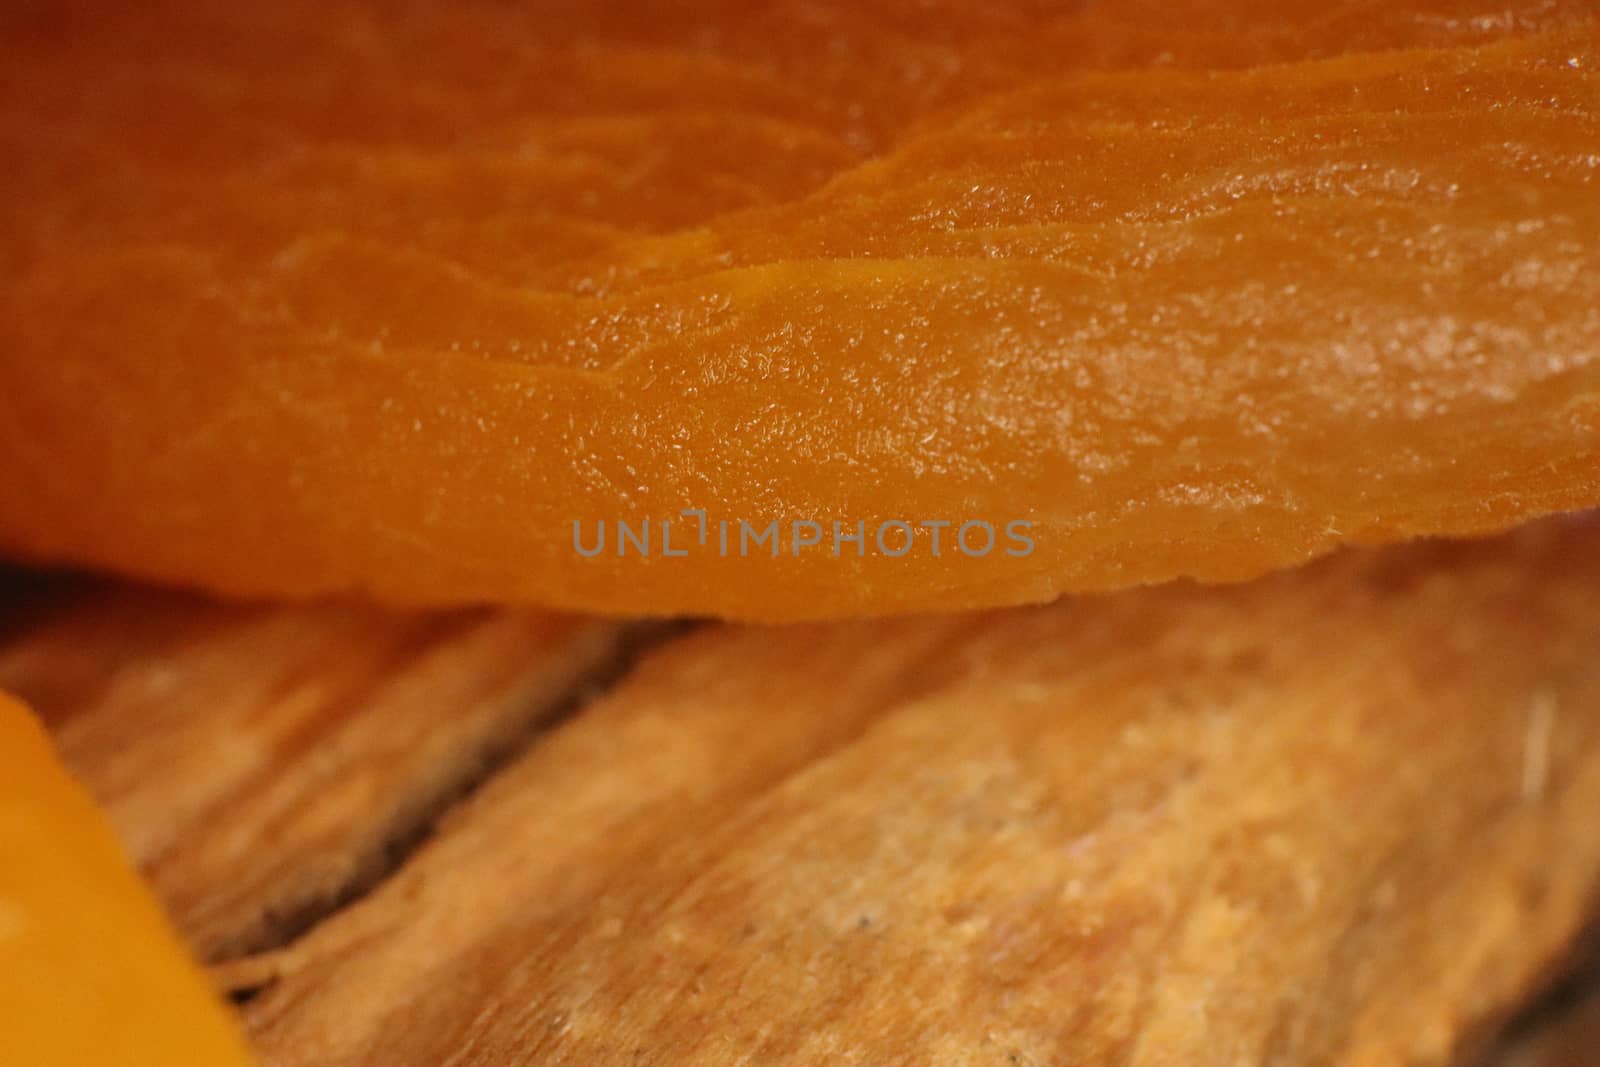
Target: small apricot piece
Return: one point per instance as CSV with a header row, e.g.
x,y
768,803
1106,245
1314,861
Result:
x,y
90,971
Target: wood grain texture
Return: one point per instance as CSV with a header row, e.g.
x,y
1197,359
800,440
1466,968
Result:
x,y
260,762
1339,816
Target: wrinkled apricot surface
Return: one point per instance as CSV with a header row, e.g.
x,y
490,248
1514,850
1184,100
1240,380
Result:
x,y
90,972
303,297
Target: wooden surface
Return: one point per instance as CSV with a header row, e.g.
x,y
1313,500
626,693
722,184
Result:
x,y
1346,815
261,763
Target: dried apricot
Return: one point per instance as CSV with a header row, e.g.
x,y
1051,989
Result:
x,y
807,310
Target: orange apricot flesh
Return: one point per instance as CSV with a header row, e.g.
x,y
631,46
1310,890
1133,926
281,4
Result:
x,y
90,971
422,301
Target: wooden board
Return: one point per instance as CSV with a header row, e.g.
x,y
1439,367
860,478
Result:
x,y
1344,815
263,763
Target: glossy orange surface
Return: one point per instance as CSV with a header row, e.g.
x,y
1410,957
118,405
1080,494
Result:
x,y
303,298
90,972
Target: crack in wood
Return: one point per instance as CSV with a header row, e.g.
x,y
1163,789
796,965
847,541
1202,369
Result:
x,y
251,970
1284,820
266,765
